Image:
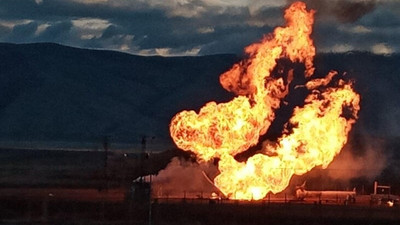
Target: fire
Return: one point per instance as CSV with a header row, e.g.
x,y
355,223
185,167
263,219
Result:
x,y
320,127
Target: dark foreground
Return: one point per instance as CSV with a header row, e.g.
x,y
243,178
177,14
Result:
x,y
101,207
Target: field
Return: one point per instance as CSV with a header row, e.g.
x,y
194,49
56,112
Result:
x,y
91,206
60,187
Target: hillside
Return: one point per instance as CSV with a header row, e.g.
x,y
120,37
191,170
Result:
x,y
69,96
57,93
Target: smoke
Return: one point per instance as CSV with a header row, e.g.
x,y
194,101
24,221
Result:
x,y
345,11
184,178
367,160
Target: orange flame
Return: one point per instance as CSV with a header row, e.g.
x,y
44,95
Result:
x,y
226,129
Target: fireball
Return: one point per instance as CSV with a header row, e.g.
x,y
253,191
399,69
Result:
x,y
319,128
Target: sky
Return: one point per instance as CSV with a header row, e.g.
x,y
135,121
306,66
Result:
x,y
195,27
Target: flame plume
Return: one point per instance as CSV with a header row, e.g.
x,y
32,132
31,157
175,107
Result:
x,y
223,130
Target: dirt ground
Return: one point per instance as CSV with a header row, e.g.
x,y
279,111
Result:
x,y
91,206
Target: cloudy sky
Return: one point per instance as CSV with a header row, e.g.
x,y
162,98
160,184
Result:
x,y
195,27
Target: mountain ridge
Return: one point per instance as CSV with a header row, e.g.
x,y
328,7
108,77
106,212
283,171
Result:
x,y
55,92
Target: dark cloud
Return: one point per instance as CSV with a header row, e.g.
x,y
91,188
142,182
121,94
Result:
x,y
111,31
56,32
272,14
23,32
234,39
381,17
331,37
327,34
143,25
18,9
56,10
151,27
25,29
5,31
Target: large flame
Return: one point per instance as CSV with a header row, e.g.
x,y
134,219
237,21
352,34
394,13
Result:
x,y
320,127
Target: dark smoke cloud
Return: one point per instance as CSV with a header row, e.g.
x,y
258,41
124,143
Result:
x,y
351,12
345,11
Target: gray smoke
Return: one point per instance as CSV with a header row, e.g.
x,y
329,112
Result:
x,y
183,178
345,11
369,164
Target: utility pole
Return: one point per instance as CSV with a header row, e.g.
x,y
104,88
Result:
x,y
105,147
142,156
144,142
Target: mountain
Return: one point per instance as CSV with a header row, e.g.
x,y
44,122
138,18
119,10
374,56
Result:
x,y
51,92
58,96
